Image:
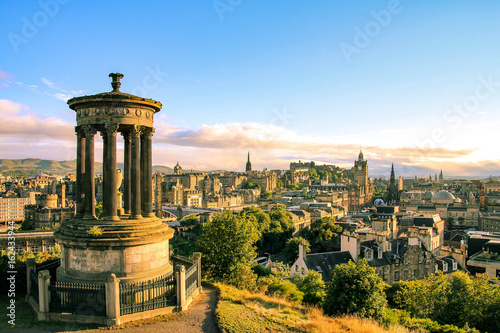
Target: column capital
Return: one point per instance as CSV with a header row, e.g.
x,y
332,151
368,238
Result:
x,y
148,132
79,131
89,130
136,131
111,128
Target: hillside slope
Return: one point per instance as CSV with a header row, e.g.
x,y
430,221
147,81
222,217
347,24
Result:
x,y
242,311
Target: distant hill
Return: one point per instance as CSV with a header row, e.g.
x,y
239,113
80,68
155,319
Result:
x,y
32,166
41,166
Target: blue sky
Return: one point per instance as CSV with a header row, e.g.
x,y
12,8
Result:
x,y
416,83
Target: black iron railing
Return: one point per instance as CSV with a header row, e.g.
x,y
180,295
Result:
x,y
147,295
34,285
191,279
78,298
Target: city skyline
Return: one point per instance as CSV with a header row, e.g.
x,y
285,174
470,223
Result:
x,y
416,84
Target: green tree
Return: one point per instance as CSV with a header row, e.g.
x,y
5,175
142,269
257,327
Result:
x,y
262,218
266,195
313,287
292,248
189,220
313,174
280,229
355,289
279,184
227,243
323,234
452,299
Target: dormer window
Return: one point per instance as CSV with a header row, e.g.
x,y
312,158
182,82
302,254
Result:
x,y
445,267
380,253
369,254
455,265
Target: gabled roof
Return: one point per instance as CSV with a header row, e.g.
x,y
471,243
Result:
x,y
325,262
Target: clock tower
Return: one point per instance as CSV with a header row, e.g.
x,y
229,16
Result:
x,y
361,170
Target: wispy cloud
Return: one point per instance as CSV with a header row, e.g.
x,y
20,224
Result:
x,y
49,83
23,133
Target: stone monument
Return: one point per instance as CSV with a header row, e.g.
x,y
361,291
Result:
x,y
127,240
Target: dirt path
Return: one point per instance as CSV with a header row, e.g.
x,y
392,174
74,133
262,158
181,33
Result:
x,y
198,318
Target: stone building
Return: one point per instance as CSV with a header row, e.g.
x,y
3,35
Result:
x,y
12,206
489,221
450,208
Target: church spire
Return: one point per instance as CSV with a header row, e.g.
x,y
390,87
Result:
x,y
249,165
393,176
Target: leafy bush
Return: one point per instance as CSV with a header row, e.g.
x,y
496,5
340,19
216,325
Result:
x,y
285,289
355,289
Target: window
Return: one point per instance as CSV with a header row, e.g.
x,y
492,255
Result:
x,y
389,246
455,266
396,276
369,254
445,267
380,253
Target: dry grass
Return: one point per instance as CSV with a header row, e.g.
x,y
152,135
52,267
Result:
x,y
242,311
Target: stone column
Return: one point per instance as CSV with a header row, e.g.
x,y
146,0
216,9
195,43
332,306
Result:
x,y
43,293
105,198
180,276
126,171
30,266
148,172
113,300
110,174
89,187
80,171
135,173
197,261
143,172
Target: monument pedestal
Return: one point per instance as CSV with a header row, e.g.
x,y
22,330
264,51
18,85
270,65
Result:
x,y
133,250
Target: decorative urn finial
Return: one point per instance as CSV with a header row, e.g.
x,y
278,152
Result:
x,y
116,81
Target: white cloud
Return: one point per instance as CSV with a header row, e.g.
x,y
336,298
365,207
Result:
x,y
49,83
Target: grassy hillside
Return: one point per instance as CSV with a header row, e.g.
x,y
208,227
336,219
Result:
x,y
242,311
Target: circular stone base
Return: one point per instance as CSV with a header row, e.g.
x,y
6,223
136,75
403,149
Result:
x,y
133,250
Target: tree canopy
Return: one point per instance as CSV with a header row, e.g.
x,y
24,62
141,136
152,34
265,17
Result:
x,y
313,287
355,289
452,299
227,242
323,234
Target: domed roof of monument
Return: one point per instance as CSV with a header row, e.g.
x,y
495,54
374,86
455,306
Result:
x,y
177,167
114,96
443,196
